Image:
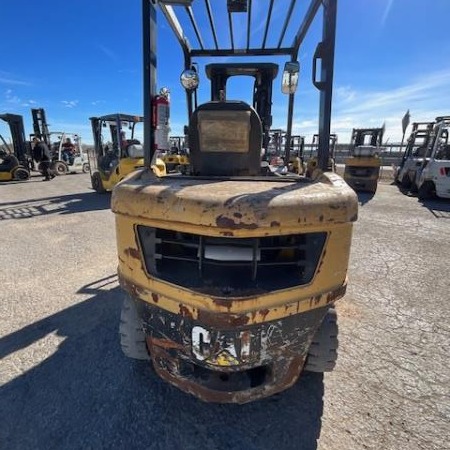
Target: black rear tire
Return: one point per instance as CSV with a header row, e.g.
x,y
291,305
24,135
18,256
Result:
x,y
426,191
322,353
21,174
132,336
60,168
406,182
97,183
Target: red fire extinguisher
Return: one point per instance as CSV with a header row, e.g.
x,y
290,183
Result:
x,y
160,119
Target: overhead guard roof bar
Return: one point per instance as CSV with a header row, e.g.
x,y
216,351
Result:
x,y
249,21
304,27
230,23
247,50
194,25
286,22
269,15
172,20
211,22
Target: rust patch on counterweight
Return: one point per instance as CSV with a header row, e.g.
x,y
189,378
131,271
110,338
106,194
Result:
x,y
226,222
185,311
221,321
338,293
163,343
133,253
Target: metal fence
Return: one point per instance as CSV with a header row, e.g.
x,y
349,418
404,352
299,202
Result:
x,y
391,155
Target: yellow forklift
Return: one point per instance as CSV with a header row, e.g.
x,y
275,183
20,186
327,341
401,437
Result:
x,y
277,157
297,155
312,163
176,159
15,159
117,150
231,273
362,167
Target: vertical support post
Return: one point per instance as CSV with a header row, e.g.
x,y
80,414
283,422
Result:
x,y
326,54
287,144
149,65
189,94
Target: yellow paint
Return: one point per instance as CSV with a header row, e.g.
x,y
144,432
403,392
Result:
x,y
369,182
6,176
159,168
193,206
363,161
224,359
124,168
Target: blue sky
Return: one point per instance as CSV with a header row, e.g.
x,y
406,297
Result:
x,y
82,58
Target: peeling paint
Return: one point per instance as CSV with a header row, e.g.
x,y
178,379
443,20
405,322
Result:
x,y
133,253
226,222
264,313
338,293
221,321
185,311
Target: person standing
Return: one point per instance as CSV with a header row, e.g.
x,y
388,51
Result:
x,y
41,154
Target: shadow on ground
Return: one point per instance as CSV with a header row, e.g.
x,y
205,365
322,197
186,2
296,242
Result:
x,y
440,208
88,395
365,197
61,204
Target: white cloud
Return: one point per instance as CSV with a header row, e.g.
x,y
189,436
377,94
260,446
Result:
x,y
69,103
8,78
425,97
386,12
108,52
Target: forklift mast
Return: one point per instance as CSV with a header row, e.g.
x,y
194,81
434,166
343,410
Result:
x,y
21,146
40,126
359,136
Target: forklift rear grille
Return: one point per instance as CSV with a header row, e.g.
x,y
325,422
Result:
x,y
230,266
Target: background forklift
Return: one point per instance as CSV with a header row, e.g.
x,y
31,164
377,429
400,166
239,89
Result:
x,y
117,152
362,167
68,158
433,177
231,274
176,159
311,164
61,163
276,153
16,161
297,155
415,151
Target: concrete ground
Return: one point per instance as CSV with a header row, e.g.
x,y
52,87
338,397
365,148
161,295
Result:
x,y
65,383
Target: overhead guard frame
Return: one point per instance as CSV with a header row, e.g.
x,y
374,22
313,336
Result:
x,y
324,52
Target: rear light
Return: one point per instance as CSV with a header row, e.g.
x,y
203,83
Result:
x,y
442,171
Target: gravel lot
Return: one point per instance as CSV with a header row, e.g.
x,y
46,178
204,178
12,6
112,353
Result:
x,y
65,383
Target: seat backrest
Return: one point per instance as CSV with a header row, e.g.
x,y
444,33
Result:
x,y
225,139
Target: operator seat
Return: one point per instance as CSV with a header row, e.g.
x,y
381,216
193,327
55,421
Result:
x,y
225,139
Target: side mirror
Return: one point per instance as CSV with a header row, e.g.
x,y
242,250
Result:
x,y
290,77
189,79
